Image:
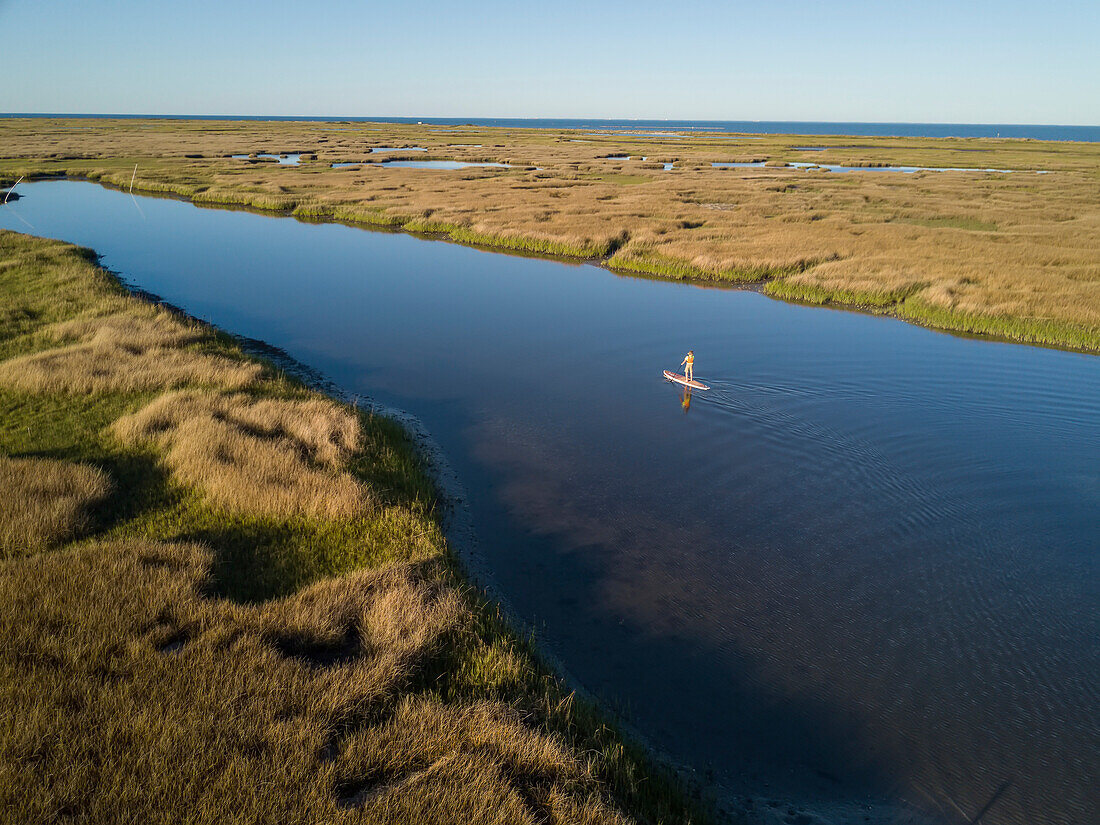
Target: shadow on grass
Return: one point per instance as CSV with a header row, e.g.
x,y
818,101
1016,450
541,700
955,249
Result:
x,y
257,561
262,558
140,485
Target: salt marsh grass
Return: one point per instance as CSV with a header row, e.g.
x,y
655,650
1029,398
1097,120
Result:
x,y
47,502
136,349
176,706
97,368
270,456
136,329
239,606
1013,252
480,758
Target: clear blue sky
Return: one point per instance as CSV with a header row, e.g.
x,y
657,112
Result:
x,y
920,60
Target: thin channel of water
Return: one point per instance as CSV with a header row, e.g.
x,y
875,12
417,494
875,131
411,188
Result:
x,y
442,164
832,167
284,160
858,577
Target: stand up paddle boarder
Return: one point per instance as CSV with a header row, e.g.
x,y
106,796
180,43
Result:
x,y
688,364
687,380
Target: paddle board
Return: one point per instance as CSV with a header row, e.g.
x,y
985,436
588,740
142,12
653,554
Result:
x,y
682,379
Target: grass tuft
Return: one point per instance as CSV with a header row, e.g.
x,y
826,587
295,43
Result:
x,y
270,456
125,351
47,502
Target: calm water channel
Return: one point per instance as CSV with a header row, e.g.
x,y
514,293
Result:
x,y
861,570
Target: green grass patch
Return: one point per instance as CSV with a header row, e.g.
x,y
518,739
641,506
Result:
x,y
585,248
1025,330
367,215
808,293
314,212
906,304
654,264
579,248
220,196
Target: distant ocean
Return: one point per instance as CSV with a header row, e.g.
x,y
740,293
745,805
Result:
x,y
1089,134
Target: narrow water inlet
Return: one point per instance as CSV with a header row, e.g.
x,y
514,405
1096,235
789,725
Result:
x,y
442,164
288,159
867,553
832,167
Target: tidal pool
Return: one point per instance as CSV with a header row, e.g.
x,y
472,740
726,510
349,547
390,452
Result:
x,y
858,577
287,160
635,134
384,149
832,167
442,164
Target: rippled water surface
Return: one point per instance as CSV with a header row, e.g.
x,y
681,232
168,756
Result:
x,y
862,568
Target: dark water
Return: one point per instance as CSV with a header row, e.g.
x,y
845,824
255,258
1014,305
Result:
x,y
862,568
662,127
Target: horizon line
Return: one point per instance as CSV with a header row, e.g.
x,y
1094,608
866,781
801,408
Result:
x,y
382,118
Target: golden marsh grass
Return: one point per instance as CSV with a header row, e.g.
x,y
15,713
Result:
x,y
185,657
98,368
125,351
47,502
140,700
270,456
481,754
128,329
1016,254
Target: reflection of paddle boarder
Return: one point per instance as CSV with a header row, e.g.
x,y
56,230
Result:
x,y
688,364
685,399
